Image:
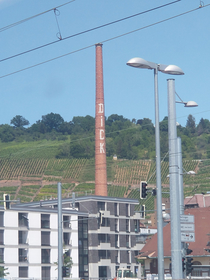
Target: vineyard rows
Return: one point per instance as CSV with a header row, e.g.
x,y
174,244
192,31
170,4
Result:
x,y
66,168
116,191
132,172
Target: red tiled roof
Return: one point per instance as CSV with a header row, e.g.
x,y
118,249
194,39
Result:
x,y
202,236
198,199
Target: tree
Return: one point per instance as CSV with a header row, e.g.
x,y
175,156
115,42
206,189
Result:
x,y
191,123
3,270
67,260
52,121
19,121
7,133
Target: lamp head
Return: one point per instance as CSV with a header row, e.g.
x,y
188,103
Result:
x,y
171,69
190,104
141,63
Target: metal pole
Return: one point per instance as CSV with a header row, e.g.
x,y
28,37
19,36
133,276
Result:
x,y
176,258
60,237
181,190
158,184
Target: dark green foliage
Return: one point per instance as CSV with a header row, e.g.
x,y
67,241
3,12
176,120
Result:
x,y
52,121
19,121
127,139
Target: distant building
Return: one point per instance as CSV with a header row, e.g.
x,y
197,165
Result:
x,y
99,234
198,206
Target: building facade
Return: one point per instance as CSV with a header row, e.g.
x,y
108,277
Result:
x,y
99,234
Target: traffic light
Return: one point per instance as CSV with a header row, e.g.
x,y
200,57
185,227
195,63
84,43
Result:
x,y
67,271
143,189
154,192
189,267
63,271
183,264
6,198
188,251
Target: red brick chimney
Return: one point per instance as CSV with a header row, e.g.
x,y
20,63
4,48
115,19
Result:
x,y
100,140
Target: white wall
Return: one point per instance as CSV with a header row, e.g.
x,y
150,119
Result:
x,y
53,221
34,237
10,218
34,220
10,237
11,255
34,272
34,255
54,238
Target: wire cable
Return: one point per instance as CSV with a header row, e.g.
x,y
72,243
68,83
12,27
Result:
x,y
29,18
104,41
86,31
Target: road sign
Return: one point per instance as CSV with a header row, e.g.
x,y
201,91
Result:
x,y
187,237
186,219
187,227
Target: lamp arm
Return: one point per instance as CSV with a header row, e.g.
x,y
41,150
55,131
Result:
x,y
179,98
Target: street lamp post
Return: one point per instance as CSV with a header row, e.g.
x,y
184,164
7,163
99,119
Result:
x,y
167,69
176,181
60,234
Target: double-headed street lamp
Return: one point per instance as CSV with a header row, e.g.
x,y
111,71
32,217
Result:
x,y
176,180
167,69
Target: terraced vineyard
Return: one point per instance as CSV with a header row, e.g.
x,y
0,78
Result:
x,y
36,179
131,172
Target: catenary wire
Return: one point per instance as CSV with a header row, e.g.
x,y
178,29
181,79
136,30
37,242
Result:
x,y
104,41
29,18
86,31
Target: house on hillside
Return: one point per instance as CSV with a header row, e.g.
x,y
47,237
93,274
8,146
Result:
x,y
200,248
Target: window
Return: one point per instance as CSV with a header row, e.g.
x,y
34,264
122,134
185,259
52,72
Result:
x,y
101,205
23,237
127,225
127,210
45,238
23,271
128,257
116,209
1,219
66,221
23,255
83,247
116,225
45,221
102,271
45,255
1,237
136,226
103,238
127,241
1,255
116,241
103,254
45,273
116,268
105,222
23,219
66,238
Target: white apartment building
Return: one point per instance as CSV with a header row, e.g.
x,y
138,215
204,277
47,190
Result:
x,y
99,234
29,240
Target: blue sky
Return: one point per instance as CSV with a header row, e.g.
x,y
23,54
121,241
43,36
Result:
x,y
67,85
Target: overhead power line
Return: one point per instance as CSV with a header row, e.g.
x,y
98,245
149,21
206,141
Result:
x,y
29,18
88,30
104,41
